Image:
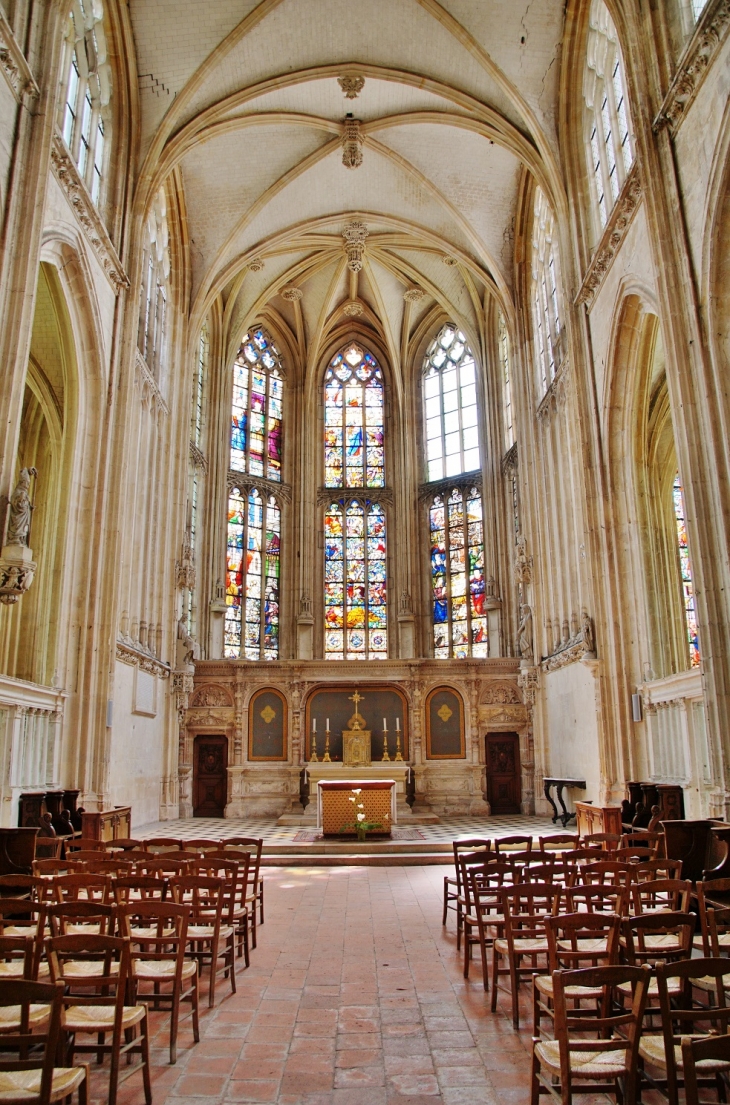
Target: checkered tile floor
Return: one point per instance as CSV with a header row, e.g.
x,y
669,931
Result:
x,y
449,829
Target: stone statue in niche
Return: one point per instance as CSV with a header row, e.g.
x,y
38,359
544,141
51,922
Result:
x,y
185,645
589,639
524,633
523,562
20,510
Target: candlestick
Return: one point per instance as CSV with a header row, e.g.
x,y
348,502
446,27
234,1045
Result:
x,y
398,756
397,725
326,759
314,725
385,741
313,758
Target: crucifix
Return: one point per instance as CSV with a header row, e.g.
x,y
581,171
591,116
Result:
x,y
357,719
356,698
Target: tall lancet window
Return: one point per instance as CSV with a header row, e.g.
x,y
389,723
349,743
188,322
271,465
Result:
x,y
685,567
456,528
546,299
608,130
87,87
254,511
355,568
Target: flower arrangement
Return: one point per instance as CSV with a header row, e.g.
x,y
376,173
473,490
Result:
x,y
361,826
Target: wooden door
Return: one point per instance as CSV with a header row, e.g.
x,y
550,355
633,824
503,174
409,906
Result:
x,y
210,776
504,786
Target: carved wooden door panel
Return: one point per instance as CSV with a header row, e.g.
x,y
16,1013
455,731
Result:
x,y
504,786
210,776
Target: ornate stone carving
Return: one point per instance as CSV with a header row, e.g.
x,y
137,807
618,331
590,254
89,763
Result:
x,y
556,395
501,694
352,141
185,568
588,635
413,295
523,562
291,294
197,458
133,653
353,309
20,509
209,718
351,84
442,487
327,495
510,461
305,605
85,210
616,227
244,483
186,644
568,649
148,387
405,605
255,264
512,715
212,695
182,684
449,260
15,68
709,35
17,570
524,633
355,234
528,681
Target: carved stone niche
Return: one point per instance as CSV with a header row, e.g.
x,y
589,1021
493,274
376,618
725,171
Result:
x,y
212,694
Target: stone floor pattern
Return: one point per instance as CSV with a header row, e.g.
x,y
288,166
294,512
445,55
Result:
x,y
355,996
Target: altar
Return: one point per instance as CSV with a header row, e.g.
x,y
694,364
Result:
x,y
339,801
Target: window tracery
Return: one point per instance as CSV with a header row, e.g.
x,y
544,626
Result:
x,y
685,566
252,576
450,406
153,290
546,300
355,588
607,116
196,458
257,409
354,446
504,361
87,87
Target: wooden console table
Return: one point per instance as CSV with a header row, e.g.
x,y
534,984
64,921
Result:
x,y
114,824
559,784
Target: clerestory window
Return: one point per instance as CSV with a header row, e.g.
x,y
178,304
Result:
x,y
84,109
256,417
151,336
685,567
546,297
450,401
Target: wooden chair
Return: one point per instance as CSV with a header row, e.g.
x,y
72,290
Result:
x,y
650,869
607,871
211,936
562,874
25,886
581,855
158,935
466,861
160,844
573,1064
81,887
561,842
697,1057
708,890
485,919
663,1053
104,1012
142,888
575,940
78,917
51,867
662,895
33,1077
160,866
255,889
23,919
241,913
17,957
452,884
644,839
609,842
87,856
203,845
506,843
125,844
597,898
49,847
85,844
525,908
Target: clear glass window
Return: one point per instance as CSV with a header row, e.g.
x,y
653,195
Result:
x,y
450,406
685,567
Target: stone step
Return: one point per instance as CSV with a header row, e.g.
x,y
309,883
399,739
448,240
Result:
x,y
352,848
355,859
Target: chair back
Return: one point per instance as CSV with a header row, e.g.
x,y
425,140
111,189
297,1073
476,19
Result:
x,y
109,867
710,893
85,844
25,886
125,844
507,843
609,841
655,937
160,865
204,896
142,888
582,855
606,1029
232,874
650,869
157,932
50,867
63,917
680,1016
597,898
81,886
467,846
162,844
667,895
23,995
714,1049
561,842
578,940
254,846
607,871
203,844
718,932
242,861
526,906
110,983
642,838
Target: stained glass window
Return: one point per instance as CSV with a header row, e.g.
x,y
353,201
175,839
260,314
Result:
x,y
685,566
450,398
457,575
355,587
354,454
258,392
252,576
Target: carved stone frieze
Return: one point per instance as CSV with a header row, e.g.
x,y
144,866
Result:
x,y
503,715
580,646
130,652
209,718
442,487
68,176
528,681
712,27
354,235
351,84
501,694
212,694
352,141
15,68
566,656
266,487
613,235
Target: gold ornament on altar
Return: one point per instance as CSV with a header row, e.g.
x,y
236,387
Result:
x,y
356,739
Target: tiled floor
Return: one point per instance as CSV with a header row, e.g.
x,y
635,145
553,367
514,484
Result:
x,y
354,996
449,828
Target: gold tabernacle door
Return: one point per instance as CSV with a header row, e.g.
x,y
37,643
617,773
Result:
x,y
356,741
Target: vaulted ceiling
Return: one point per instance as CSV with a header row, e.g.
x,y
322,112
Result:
x,y
243,98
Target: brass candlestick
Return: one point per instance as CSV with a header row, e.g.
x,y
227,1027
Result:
x,y
326,758
313,758
398,756
385,745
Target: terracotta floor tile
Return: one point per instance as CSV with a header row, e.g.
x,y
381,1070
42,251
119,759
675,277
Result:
x,y
258,1068
258,1090
359,1076
408,1084
201,1085
358,1057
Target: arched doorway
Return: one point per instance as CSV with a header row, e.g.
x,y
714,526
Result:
x,y
210,775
